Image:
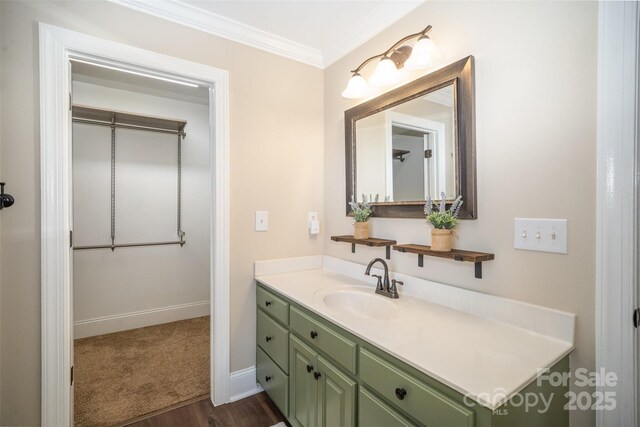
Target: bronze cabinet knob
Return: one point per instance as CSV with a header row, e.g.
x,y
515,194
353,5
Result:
x,y
401,393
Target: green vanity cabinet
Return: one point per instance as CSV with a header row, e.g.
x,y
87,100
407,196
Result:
x,y
320,394
320,375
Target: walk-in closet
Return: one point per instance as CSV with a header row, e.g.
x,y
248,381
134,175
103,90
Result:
x,y
141,243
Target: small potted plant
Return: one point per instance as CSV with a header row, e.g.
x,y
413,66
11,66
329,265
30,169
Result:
x,y
444,221
361,214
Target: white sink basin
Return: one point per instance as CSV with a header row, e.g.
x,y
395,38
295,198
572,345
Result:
x,y
360,303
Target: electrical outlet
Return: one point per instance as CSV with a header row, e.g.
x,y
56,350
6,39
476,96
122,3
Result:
x,y
314,223
262,220
543,235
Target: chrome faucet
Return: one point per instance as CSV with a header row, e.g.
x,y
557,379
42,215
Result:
x,y
384,287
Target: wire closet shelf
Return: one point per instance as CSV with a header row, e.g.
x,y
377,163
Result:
x,y
116,119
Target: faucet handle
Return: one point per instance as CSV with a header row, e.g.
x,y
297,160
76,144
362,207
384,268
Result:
x,y
379,284
394,288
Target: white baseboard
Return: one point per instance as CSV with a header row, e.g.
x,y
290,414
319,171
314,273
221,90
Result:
x,y
139,319
243,384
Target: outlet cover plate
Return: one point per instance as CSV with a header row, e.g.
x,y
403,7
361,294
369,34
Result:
x,y
542,235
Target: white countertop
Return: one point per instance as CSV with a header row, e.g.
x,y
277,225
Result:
x,y
489,360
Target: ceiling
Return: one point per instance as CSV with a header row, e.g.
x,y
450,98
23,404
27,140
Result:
x,y
115,79
316,32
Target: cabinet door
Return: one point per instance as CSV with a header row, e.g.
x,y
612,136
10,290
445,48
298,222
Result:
x,y
336,396
302,384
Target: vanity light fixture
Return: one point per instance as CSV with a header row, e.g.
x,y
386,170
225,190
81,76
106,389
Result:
x,y
389,68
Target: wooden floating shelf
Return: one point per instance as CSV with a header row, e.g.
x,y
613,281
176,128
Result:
x,y
371,241
456,254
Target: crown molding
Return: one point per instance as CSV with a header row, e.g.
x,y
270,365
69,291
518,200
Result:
x,y
371,23
218,25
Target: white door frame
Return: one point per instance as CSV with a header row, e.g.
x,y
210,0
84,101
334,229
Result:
x,y
57,46
617,208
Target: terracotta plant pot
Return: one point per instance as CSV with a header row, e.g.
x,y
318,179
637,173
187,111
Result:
x,y
440,240
361,230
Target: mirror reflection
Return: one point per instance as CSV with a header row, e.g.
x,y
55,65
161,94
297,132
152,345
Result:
x,y
407,152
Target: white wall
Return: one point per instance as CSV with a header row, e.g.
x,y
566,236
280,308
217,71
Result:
x,y
126,288
536,146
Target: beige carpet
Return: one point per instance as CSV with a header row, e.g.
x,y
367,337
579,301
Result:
x,y
127,374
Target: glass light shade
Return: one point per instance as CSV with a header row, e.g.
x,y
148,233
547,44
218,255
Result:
x,y
422,54
385,73
357,88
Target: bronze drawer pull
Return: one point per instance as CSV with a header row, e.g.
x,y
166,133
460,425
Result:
x,y
267,339
313,334
309,368
267,378
401,393
317,375
267,303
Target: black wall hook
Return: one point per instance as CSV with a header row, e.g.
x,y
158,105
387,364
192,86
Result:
x,y
6,200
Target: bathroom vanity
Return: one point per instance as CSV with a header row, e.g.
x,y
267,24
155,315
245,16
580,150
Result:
x,y
330,352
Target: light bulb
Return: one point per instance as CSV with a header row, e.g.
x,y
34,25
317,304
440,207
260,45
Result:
x,y
422,54
357,88
385,73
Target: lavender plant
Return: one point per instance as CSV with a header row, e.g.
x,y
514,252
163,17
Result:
x,y
361,211
441,217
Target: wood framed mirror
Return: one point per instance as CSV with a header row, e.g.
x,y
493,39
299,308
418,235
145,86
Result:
x,y
415,141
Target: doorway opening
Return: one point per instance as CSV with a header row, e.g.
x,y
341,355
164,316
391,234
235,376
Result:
x,y
57,48
141,243
420,158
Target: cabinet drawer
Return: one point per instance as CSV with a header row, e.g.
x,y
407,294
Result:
x,y
273,305
375,413
326,340
412,396
274,340
273,380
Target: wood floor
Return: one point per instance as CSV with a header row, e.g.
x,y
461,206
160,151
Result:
x,y
254,411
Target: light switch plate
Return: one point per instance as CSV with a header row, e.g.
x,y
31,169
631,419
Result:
x,y
543,235
262,220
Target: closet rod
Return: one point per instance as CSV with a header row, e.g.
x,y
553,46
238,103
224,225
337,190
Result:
x,y
137,127
128,245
